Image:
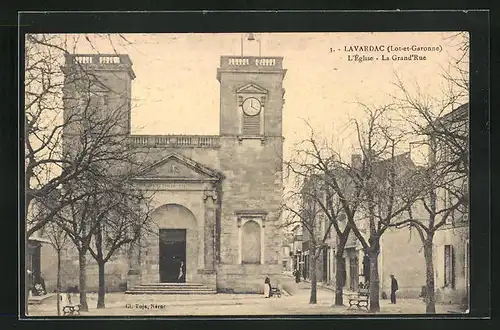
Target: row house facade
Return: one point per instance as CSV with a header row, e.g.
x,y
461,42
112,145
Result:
x,y
451,258
354,263
401,250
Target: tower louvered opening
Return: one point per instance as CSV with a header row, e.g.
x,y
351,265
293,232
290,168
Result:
x,y
251,125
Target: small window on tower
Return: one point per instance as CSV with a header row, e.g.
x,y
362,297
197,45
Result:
x,y
251,125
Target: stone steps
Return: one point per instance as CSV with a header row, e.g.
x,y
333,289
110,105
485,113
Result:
x,y
171,288
176,285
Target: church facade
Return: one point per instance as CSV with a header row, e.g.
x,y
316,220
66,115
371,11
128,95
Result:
x,y
216,198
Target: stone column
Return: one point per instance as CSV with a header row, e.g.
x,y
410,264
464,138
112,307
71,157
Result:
x,y
208,230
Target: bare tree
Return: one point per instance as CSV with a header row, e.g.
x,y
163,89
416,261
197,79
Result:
x,y
383,178
430,213
444,178
111,203
49,113
76,137
59,240
301,208
315,169
79,220
457,73
126,217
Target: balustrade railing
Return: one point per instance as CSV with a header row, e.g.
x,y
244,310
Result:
x,y
251,61
265,61
239,61
98,59
167,141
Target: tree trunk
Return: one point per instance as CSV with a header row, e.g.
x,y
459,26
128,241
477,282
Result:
x,y
83,281
100,263
58,283
102,289
339,281
312,271
430,300
374,282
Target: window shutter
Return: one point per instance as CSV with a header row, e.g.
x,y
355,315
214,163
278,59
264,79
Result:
x,y
452,266
251,125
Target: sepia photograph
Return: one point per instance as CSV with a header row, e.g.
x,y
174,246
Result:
x,y
246,174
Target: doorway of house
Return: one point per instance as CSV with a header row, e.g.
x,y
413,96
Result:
x,y
172,255
325,265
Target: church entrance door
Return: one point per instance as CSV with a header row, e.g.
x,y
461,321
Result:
x,y
172,255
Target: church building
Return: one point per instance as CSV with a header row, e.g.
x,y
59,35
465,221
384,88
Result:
x,y
216,198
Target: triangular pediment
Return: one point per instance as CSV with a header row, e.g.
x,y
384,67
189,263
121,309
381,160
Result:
x,y
251,89
177,167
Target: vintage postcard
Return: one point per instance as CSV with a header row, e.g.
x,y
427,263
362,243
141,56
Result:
x,y
215,174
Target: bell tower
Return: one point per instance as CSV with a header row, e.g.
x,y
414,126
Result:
x,y
98,87
250,157
251,96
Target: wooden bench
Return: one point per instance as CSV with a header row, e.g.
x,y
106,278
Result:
x,y
360,299
68,307
71,310
275,292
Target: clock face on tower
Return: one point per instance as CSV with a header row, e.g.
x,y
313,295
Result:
x,y
251,106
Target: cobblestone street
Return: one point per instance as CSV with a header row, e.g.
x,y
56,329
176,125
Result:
x,y
120,304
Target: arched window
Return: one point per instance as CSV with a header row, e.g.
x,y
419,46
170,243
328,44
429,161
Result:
x,y
250,243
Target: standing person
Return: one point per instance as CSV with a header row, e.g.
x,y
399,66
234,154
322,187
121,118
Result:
x,y
267,287
394,288
181,272
296,273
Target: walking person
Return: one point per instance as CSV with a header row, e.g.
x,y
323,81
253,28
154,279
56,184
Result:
x,y
394,288
181,273
296,273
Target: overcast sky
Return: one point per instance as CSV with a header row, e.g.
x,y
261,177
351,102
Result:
x,y
176,90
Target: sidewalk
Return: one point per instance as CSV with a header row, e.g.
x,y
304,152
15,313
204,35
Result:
x,y
403,306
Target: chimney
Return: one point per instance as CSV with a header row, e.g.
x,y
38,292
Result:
x,y
356,161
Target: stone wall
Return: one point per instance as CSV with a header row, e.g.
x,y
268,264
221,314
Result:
x,y
115,270
402,255
252,182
